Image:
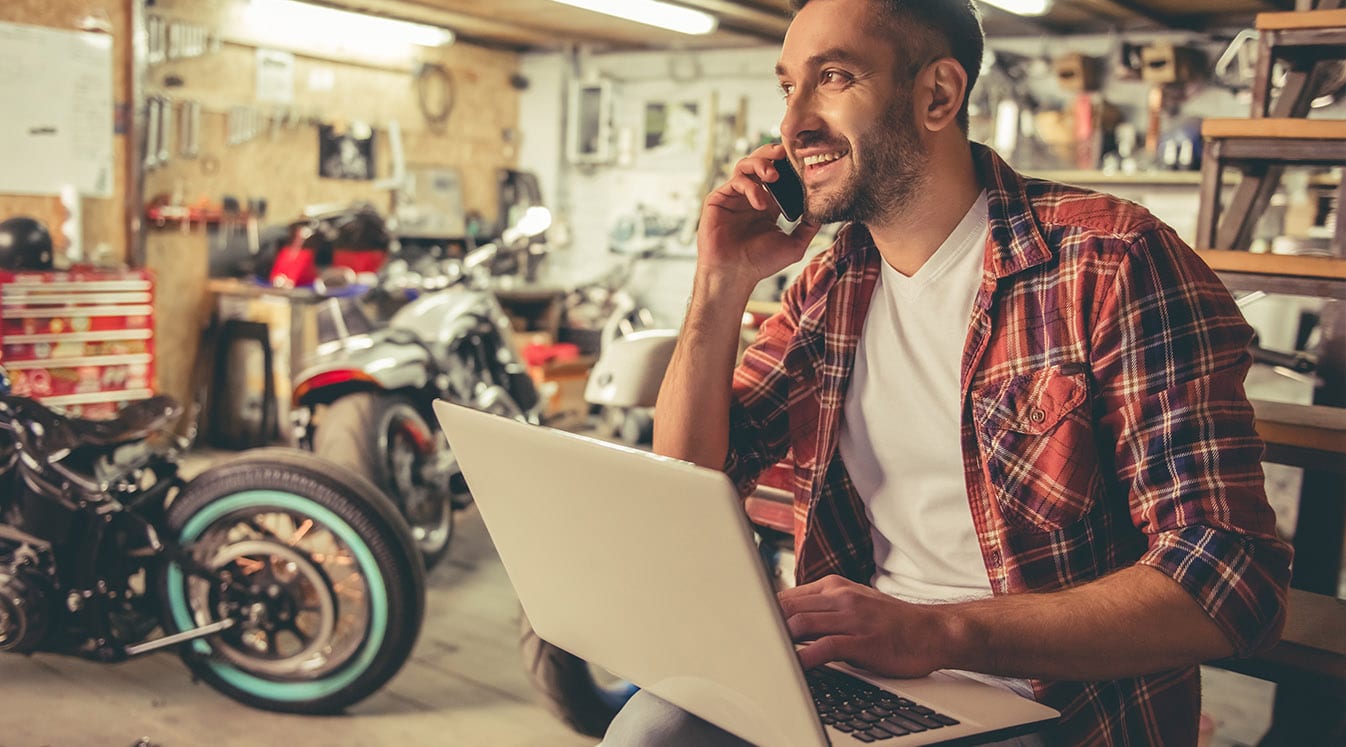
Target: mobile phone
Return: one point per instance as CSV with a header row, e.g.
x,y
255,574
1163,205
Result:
x,y
787,190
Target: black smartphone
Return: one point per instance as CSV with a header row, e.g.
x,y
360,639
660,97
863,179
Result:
x,y
787,190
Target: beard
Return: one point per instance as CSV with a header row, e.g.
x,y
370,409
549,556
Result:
x,y
879,185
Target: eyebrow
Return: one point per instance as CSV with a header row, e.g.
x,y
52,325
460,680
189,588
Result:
x,y
835,54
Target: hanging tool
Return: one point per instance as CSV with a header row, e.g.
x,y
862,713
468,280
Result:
x,y
165,130
189,130
152,121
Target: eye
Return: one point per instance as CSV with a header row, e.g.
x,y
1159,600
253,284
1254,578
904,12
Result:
x,y
786,89
834,77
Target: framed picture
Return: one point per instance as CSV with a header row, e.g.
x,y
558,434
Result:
x,y
589,123
345,154
672,126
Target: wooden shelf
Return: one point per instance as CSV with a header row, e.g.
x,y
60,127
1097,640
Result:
x,y
1301,426
1085,176
1301,19
1282,265
1275,129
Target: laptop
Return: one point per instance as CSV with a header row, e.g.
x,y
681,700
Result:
x,y
647,566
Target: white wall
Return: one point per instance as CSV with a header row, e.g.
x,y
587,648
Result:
x,y
588,200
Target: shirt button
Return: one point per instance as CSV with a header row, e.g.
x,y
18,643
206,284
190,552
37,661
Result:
x,y
995,558
1037,415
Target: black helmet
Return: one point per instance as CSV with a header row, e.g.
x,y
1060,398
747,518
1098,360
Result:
x,y
24,245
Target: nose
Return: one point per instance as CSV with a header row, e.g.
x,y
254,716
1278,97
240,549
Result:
x,y
801,118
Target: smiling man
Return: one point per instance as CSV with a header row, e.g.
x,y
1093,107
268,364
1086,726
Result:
x,y
1015,409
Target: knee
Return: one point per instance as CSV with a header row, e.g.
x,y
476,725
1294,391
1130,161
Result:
x,y
650,721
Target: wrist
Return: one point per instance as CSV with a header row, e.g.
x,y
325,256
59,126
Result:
x,y
961,642
722,288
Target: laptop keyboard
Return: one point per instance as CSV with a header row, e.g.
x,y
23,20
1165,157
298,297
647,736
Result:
x,y
866,712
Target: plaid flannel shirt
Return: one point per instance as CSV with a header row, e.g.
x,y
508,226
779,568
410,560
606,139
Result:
x,y
1104,424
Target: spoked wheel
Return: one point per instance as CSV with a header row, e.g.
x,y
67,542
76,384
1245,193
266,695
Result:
x,y
313,568
385,439
410,445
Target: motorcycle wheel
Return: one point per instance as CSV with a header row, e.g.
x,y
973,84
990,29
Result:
x,y
314,564
385,439
585,698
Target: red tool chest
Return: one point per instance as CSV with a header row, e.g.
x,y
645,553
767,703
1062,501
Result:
x,y
81,340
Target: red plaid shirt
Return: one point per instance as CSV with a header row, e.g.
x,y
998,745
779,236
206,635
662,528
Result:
x,y
1104,425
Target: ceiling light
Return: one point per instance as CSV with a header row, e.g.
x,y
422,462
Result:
x,y
319,21
1022,7
652,13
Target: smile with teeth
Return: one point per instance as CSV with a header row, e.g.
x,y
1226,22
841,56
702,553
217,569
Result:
x,y
822,158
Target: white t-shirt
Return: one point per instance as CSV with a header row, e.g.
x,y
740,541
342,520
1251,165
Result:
x,y
901,436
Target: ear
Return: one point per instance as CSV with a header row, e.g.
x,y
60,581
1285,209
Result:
x,y
944,83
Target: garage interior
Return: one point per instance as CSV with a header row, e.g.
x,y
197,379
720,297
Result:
x,y
241,186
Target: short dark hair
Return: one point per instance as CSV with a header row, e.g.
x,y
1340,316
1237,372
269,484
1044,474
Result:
x,y
938,28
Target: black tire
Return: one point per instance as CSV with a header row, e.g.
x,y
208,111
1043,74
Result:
x,y
245,404
568,685
233,516
369,432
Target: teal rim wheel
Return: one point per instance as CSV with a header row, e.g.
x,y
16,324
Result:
x,y
311,604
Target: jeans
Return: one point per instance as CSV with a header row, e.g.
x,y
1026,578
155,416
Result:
x,y
650,721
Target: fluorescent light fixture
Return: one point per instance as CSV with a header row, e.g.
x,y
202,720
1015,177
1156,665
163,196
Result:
x,y
1022,7
652,13
344,26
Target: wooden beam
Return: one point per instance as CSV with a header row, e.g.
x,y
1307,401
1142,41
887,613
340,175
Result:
x,y
470,28
1145,13
743,17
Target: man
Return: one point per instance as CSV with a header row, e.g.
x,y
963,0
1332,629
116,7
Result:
x,y
1015,409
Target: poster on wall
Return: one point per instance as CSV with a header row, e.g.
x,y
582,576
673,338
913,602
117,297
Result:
x,y
56,131
346,153
275,76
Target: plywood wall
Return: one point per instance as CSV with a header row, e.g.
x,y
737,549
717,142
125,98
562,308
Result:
x,y
104,220
280,165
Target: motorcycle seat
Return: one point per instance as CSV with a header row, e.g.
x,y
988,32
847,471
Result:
x,y
135,421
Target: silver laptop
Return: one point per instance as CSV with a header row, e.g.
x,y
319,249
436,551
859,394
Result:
x,y
647,566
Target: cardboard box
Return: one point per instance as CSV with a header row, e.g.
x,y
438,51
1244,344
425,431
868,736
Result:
x,y
1165,63
561,385
1078,72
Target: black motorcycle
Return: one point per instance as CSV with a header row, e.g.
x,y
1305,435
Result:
x,y
285,582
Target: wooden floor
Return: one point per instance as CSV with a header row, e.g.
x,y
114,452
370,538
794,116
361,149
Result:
x,y
465,685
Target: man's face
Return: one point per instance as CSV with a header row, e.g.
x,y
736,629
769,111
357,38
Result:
x,y
849,125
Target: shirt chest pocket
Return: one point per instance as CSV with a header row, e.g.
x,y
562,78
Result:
x,y
1036,438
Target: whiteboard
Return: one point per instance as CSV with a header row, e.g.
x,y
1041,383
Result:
x,y
57,126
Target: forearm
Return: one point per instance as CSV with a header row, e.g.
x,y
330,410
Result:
x,y
1133,622
692,412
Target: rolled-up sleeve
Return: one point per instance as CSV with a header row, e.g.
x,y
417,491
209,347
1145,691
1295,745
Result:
x,y
1170,351
758,421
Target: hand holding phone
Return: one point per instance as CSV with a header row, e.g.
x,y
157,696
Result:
x,y
787,190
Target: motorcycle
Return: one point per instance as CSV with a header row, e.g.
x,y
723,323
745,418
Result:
x,y
284,582
365,398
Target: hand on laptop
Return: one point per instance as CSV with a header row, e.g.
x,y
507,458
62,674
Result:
x,y
840,620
